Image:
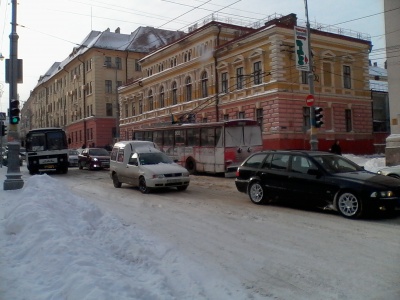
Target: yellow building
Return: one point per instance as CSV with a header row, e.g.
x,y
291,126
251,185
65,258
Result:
x,y
220,71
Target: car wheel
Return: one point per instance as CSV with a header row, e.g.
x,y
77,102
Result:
x,y
256,193
116,182
182,187
349,206
142,186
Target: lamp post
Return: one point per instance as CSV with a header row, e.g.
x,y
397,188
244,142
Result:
x,y
116,68
13,181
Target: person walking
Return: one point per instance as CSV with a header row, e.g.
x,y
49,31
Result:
x,y
335,148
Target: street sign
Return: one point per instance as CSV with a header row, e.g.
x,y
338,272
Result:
x,y
301,48
310,100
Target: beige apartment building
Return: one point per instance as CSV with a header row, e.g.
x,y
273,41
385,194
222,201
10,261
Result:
x,y
80,95
221,71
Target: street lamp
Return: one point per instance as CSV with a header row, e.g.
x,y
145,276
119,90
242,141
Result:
x,y
116,68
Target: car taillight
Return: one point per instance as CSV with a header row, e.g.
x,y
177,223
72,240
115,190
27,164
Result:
x,y
237,173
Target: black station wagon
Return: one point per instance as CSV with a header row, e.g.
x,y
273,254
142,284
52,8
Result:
x,y
318,178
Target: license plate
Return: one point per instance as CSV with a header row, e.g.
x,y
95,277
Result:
x,y
173,180
49,167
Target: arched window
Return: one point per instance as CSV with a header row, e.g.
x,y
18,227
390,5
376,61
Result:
x,y
151,101
204,85
174,93
188,89
161,104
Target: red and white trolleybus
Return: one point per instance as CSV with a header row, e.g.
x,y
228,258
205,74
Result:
x,y
215,147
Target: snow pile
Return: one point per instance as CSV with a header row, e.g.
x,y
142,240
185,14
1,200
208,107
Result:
x,y
55,245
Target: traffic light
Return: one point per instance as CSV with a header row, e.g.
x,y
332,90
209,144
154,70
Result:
x,y
3,130
318,117
14,111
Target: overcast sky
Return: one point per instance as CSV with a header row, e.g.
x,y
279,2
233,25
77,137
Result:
x,y
49,29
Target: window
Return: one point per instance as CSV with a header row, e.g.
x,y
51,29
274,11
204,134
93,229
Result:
x,y
327,72
346,77
280,161
304,77
140,107
107,61
151,101
226,117
108,86
257,73
188,87
109,110
241,115
133,108
118,63
137,66
174,93
204,85
126,110
349,123
224,82
239,78
259,117
306,118
161,104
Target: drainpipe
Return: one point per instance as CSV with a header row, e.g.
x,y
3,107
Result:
x,y
216,76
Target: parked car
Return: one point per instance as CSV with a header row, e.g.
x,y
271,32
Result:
x,y
390,171
316,178
73,158
145,167
94,158
22,152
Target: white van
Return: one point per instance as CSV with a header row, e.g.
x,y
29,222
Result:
x,y
141,164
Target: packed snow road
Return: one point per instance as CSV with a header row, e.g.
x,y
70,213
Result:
x,y
272,252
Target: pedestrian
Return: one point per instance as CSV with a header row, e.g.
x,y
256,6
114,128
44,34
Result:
x,y
335,148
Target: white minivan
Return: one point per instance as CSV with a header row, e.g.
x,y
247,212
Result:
x,y
141,164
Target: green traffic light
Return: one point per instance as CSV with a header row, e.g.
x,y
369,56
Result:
x,y
14,120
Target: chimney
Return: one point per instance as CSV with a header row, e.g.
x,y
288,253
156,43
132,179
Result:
x,y
386,64
370,63
118,30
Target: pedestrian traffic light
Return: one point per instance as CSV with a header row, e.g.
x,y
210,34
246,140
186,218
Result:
x,y
3,130
318,117
14,111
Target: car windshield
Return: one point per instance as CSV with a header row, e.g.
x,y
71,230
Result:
x,y
337,164
73,152
154,159
99,152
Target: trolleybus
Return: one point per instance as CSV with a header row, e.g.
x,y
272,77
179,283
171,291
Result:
x,y
214,147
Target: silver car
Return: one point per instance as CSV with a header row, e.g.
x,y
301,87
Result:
x,y
147,168
390,171
73,158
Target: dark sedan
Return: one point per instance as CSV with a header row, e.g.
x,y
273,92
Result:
x,y
318,178
94,158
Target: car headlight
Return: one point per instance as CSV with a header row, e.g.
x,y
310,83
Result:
x,y
95,159
379,172
158,176
382,194
185,174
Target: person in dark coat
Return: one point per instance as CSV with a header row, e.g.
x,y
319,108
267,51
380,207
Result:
x,y
335,148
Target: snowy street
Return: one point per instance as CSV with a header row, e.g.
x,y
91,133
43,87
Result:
x,y
84,239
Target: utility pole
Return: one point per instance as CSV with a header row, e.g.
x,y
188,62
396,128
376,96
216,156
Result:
x,y
13,181
313,130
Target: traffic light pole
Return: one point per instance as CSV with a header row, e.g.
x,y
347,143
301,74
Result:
x,y
13,181
313,130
